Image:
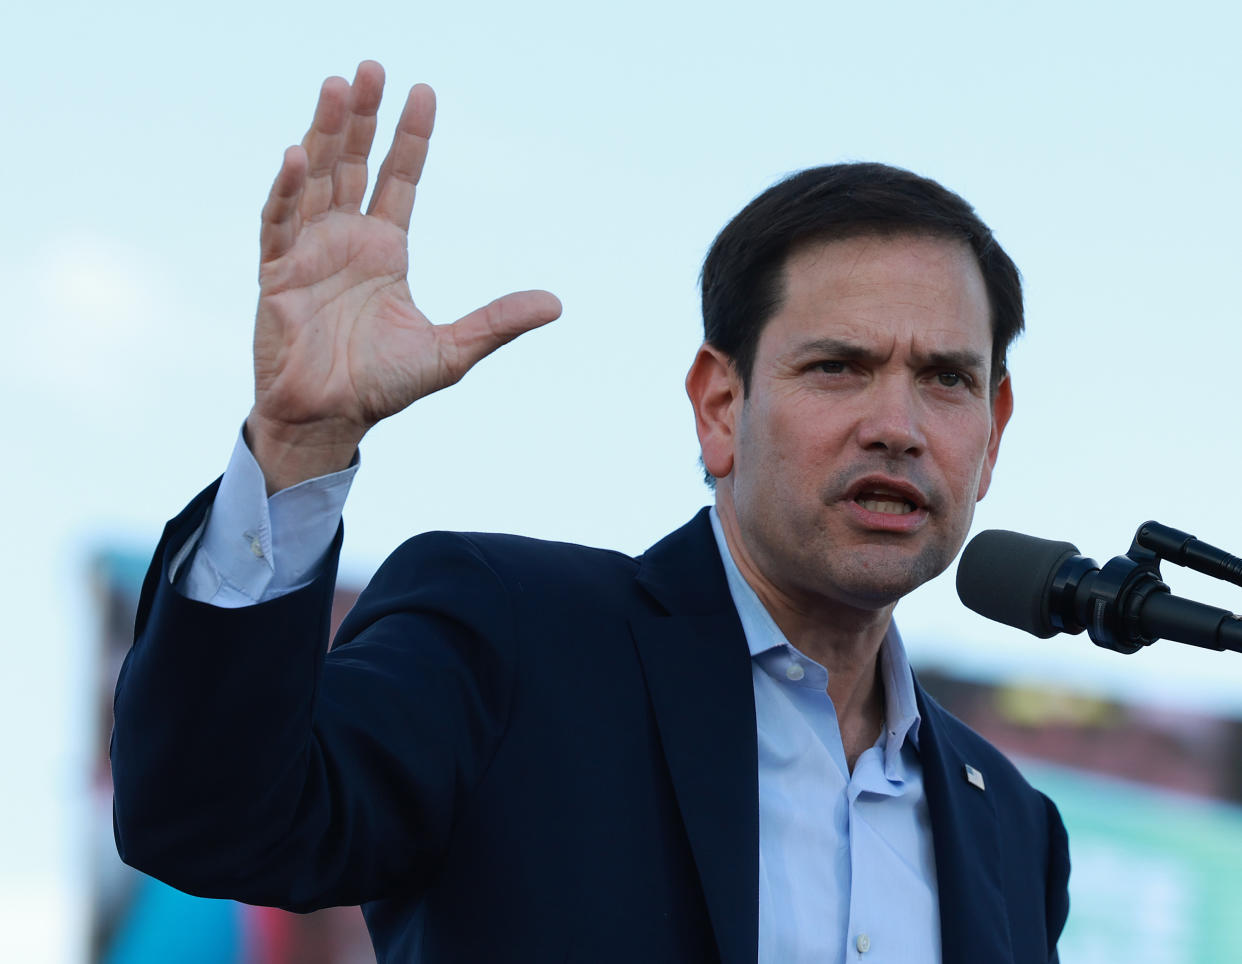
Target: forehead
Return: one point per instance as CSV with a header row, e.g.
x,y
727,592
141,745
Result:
x,y
909,289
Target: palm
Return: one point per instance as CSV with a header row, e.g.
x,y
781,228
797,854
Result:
x,y
339,334
339,342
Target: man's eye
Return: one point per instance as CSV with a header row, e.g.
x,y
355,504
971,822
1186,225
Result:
x,y
951,379
830,367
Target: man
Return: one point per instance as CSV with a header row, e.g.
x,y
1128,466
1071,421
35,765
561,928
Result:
x,y
530,751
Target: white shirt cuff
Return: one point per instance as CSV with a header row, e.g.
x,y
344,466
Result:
x,y
254,548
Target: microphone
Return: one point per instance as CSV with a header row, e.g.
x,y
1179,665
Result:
x,y
1045,587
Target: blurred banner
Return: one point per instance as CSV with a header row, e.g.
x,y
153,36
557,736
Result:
x,y
1152,799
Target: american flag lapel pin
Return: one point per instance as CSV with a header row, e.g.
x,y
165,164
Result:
x,y
973,777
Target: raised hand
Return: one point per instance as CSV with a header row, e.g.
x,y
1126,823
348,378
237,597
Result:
x,y
339,343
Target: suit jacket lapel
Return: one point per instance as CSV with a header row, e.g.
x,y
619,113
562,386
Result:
x,y
974,925
697,667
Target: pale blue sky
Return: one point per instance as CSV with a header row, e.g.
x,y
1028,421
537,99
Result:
x,y
595,153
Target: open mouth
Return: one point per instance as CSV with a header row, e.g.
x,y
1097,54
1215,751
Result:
x,y
889,497
884,504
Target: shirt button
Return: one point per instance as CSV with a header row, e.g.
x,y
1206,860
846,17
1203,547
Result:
x,y
863,943
794,671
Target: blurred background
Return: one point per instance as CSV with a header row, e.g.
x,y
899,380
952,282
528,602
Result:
x,y
596,151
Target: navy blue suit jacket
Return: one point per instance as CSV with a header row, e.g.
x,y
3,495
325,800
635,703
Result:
x,y
515,751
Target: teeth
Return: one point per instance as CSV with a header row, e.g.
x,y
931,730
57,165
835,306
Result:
x,y
886,506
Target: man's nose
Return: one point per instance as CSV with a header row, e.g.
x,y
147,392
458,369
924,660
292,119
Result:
x,y
892,418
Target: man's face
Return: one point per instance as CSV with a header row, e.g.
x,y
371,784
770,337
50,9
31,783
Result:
x,y
853,465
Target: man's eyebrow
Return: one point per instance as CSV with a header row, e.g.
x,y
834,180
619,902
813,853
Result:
x,y
965,359
837,348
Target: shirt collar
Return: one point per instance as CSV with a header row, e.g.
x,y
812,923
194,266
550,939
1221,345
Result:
x,y
901,712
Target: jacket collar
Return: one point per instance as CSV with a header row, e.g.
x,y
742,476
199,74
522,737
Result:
x,y
697,667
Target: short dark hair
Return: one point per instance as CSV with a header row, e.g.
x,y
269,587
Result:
x,y
743,272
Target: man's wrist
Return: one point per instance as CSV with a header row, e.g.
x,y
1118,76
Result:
x,y
289,455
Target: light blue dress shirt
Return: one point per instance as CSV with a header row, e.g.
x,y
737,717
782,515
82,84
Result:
x,y
846,868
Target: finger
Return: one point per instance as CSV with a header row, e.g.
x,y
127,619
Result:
x,y
323,143
393,198
350,180
280,220
478,334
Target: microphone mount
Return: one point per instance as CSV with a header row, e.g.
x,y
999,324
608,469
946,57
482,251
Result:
x,y
1108,605
1183,549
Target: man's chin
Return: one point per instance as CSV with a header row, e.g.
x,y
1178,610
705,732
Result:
x,y
879,577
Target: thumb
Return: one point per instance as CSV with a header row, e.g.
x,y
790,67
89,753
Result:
x,y
476,335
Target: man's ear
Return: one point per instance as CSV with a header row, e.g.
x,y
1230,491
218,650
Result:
x,y
1002,408
715,391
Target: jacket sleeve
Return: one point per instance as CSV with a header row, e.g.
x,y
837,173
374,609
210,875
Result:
x,y
1056,901
250,763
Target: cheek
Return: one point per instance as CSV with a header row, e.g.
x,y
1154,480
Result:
x,y
985,480
965,459
802,451
782,458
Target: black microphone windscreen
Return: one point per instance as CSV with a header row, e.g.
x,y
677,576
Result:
x,y
1007,576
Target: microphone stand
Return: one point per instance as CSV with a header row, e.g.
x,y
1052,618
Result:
x,y
1127,605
